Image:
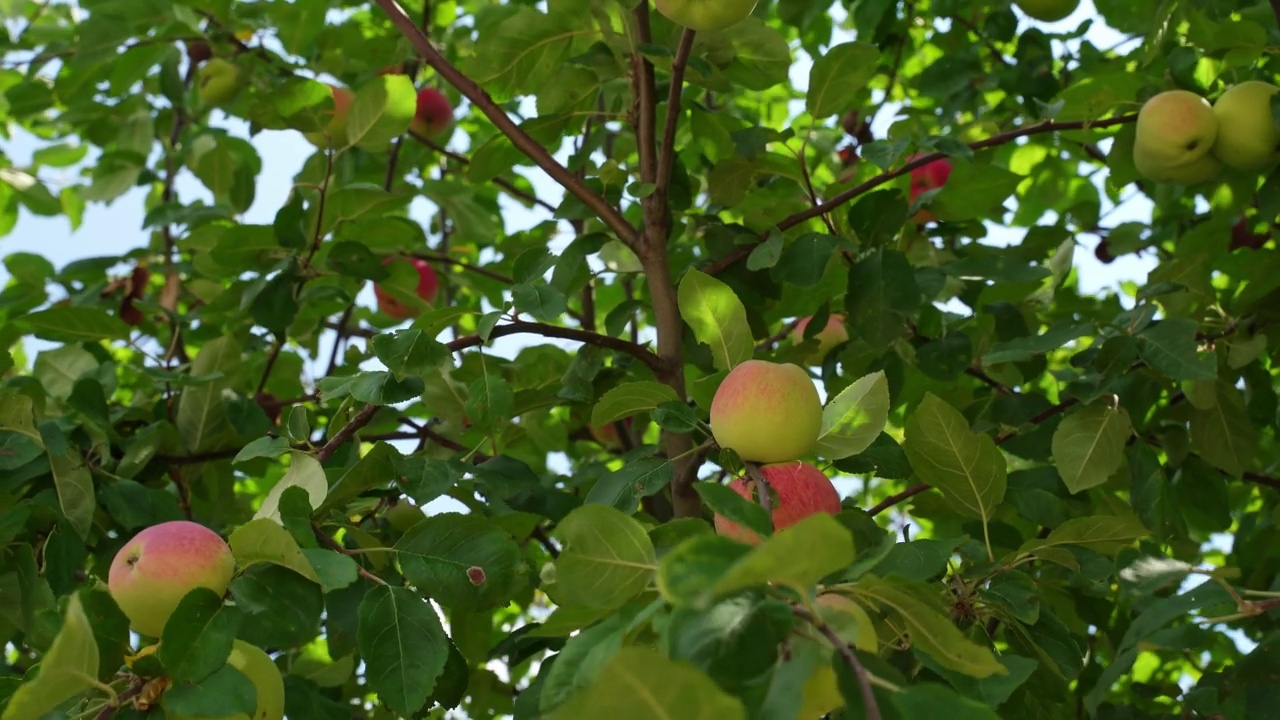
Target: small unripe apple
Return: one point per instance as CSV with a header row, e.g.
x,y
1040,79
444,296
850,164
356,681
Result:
x,y
266,679
830,336
157,568
217,82
1247,136
1048,10
802,490
434,114
706,15
428,284
928,177
1174,139
335,133
767,412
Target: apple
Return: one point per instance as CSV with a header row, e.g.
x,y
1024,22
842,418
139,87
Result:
x,y
1243,236
335,132
830,336
766,412
198,51
706,15
428,285
1174,139
929,176
265,676
157,568
1047,10
1247,136
404,515
607,434
217,82
802,490
434,113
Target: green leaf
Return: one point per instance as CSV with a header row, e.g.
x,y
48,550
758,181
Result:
x,y
966,466
67,669
281,607
461,561
640,683
854,418
975,190
882,290
74,483
304,472
334,570
623,488
198,636
411,352
798,556
265,540
761,57
376,469
717,317
72,324
724,501
381,111
522,54
917,608
1088,446
226,693
263,447
1170,347
202,418
1225,435
606,559
628,399
374,387
838,76
926,699
403,646
1104,534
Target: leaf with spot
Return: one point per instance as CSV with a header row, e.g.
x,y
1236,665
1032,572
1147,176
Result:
x,y
461,561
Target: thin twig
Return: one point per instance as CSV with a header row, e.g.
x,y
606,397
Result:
x,y
111,708
869,704
667,152
344,434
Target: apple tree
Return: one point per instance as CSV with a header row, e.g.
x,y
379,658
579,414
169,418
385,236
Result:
x,y
687,359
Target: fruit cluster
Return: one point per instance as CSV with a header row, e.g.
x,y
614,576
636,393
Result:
x,y
1184,140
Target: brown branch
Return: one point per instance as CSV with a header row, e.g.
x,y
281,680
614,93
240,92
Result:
x,y
645,97
344,434
540,534
794,219
1261,479
988,380
109,711
443,258
895,499
666,159
519,327
869,705
526,144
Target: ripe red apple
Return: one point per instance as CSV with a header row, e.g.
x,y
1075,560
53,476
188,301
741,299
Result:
x,y
265,676
335,133
830,336
160,565
767,412
1243,236
925,178
801,489
607,434
434,113
428,284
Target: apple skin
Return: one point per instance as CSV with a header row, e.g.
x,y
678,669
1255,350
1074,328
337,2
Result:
x,y
262,671
217,82
335,133
802,490
925,178
766,412
1175,136
1048,10
428,285
434,114
830,336
706,15
157,568
1247,137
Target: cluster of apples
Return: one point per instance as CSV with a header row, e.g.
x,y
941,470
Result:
x,y
432,115
770,413
1182,139
158,567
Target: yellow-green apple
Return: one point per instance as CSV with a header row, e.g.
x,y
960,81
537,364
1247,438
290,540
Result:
x,y
1174,139
404,515
265,676
217,82
428,284
766,412
335,132
1247,135
929,176
434,113
802,490
1048,10
157,568
706,15
828,337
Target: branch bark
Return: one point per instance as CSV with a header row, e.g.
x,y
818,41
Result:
x,y
869,704
639,352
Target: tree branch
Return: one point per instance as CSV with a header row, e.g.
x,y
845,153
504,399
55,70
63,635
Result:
x,y
666,160
344,434
850,658
519,327
530,147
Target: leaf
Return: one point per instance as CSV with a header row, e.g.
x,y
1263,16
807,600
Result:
x,y
226,693
403,646
376,469
693,566
461,561
202,418
854,418
966,466
925,699
198,636
1225,435
1026,348
623,488
67,669
72,324
838,76
606,559
882,290
640,683
381,111
745,512
916,607
375,387
1088,446
265,540
1170,347
263,447
410,352
799,555
717,318
522,54
304,472
628,399
975,190
1104,534
74,483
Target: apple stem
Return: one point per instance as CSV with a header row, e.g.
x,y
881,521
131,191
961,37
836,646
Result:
x,y
763,495
869,704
